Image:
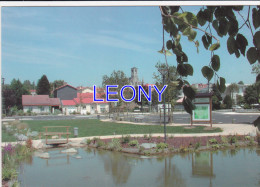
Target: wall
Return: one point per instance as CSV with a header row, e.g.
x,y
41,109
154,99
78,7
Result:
x,y
65,93
37,109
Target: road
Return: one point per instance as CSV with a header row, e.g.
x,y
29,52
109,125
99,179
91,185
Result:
x,y
218,117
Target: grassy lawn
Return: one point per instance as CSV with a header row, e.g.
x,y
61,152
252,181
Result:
x,y
92,127
7,138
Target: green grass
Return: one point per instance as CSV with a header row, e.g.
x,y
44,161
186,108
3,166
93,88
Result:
x,y
92,127
7,137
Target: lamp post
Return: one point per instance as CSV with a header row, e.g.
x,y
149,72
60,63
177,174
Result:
x,y
163,71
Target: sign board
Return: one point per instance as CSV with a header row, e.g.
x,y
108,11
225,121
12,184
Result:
x,y
202,100
201,112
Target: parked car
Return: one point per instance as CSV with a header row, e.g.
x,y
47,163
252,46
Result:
x,y
236,107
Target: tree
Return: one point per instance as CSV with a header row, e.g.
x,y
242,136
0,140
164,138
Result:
x,y
172,92
241,83
240,100
9,98
228,101
256,68
19,90
216,98
43,86
27,85
250,95
56,84
231,89
223,19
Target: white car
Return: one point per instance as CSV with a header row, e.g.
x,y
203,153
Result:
x,y
236,107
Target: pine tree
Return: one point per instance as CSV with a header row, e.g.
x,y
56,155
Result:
x,y
43,86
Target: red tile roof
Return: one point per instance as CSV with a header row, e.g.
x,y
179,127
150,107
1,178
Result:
x,y
89,95
68,102
39,100
65,86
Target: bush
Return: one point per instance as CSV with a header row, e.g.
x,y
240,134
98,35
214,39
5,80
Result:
x,y
56,112
100,143
213,141
125,139
162,145
247,106
20,113
8,173
232,139
224,139
89,141
197,145
133,143
115,145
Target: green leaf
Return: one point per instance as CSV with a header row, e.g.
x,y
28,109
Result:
x,y
209,38
192,35
189,92
201,18
189,18
256,18
177,39
241,43
197,44
168,53
188,105
252,55
207,72
176,19
187,31
214,47
177,51
169,44
189,69
222,86
174,9
215,62
205,42
256,40
237,8
161,51
257,123
223,26
233,28
231,45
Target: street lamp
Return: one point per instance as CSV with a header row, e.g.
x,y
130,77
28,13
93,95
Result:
x,y
163,71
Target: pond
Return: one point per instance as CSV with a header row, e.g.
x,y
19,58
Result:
x,y
239,167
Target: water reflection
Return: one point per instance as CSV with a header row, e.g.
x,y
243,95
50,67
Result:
x,y
116,165
105,168
170,175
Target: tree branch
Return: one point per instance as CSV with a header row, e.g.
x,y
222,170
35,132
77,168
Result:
x,y
188,24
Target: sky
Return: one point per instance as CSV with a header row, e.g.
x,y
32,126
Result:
x,y
82,44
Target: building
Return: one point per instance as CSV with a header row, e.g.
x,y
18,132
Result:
x,y
40,103
133,80
65,92
69,107
84,104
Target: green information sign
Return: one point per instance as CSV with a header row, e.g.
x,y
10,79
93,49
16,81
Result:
x,y
201,113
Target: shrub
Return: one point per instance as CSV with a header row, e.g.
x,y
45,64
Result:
x,y
248,138
232,139
100,143
224,139
89,141
213,141
162,145
215,146
197,145
20,113
133,143
125,139
115,145
145,136
8,173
